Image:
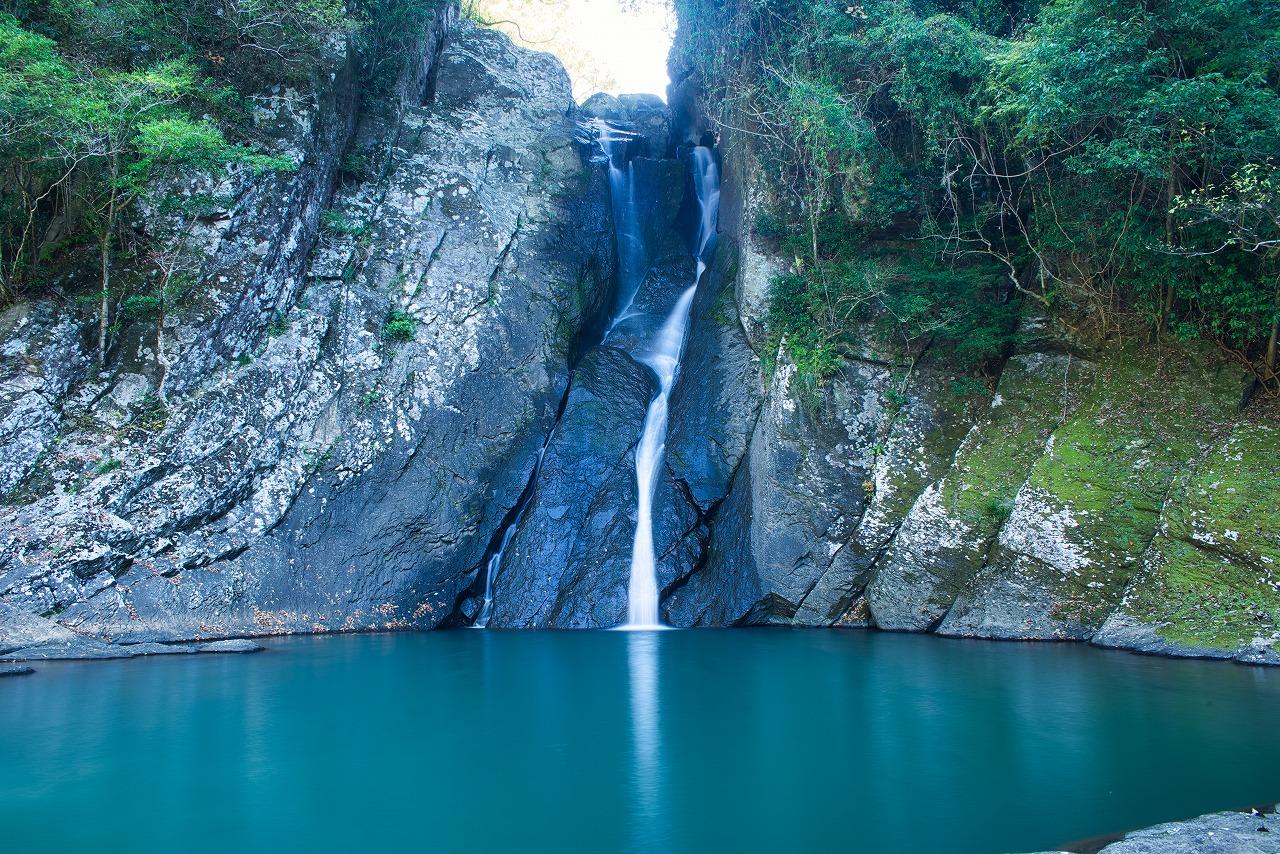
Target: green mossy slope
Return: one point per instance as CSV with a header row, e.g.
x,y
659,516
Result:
x,y
1212,576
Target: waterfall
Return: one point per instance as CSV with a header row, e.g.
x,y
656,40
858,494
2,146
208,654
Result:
x,y
633,263
663,356
660,351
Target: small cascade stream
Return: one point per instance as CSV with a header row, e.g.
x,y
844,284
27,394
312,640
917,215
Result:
x,y
633,260
663,356
495,560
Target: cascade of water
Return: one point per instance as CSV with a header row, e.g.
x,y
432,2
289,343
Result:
x,y
663,357
632,259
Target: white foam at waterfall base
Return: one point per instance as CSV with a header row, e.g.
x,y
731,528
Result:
x,y
663,356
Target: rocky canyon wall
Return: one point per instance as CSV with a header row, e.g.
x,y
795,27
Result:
x,y
1114,492
330,437
341,430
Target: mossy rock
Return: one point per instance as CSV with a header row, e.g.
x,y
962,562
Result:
x,y
946,536
1212,576
1091,504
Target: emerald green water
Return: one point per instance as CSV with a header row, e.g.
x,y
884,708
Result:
x,y
748,740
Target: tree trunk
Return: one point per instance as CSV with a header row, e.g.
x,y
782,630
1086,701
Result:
x,y
1271,348
107,228
1170,192
1270,359
161,359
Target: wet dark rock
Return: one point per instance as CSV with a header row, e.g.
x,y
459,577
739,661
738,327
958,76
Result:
x,y
16,670
715,404
646,115
792,507
569,562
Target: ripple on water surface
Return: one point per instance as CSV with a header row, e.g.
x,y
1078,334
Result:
x,y
749,740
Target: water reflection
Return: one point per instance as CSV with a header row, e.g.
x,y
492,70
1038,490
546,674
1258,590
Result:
x,y
646,740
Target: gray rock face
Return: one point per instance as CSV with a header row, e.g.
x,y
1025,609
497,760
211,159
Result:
x,y
388,394
715,405
1218,833
40,357
790,510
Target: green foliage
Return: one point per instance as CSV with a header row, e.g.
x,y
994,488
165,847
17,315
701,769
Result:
x,y
399,326
106,467
1114,158
337,222
103,102
140,307
85,130
821,312
998,509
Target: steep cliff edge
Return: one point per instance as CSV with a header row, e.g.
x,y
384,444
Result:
x,y
331,437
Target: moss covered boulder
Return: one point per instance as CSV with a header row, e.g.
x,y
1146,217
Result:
x,y
1091,505
1209,585
945,538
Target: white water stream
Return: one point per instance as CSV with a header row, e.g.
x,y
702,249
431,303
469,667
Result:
x,y
663,356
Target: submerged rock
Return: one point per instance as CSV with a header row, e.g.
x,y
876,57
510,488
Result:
x,y
233,645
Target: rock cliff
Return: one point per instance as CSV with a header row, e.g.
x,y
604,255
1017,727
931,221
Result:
x,y
342,428
1101,490
329,439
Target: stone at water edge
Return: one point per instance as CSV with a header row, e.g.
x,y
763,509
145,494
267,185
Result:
x,y
232,645
1218,833
16,670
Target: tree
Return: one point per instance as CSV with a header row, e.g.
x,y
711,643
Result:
x,y
134,126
